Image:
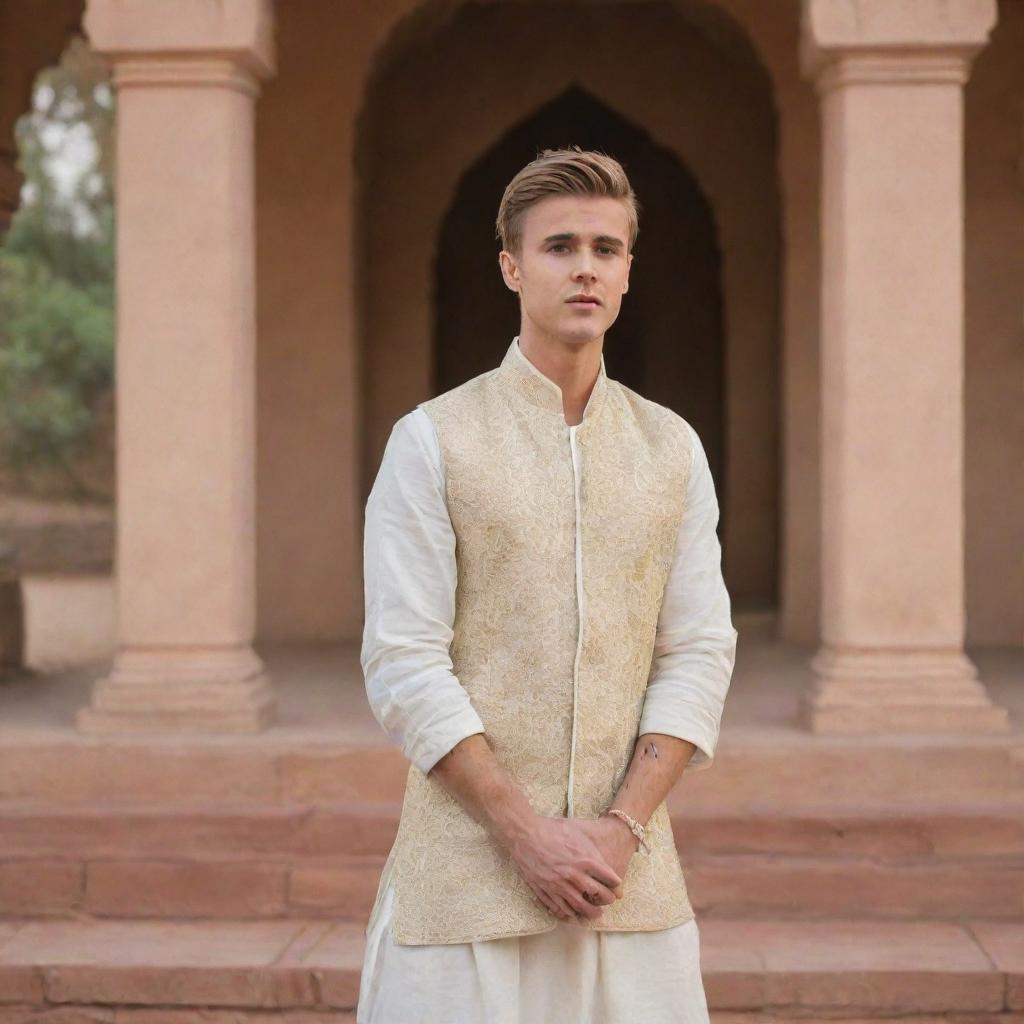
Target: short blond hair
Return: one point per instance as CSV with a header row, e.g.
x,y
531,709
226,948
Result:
x,y
571,171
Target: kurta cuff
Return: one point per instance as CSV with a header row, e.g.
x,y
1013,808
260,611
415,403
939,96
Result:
x,y
443,733
686,722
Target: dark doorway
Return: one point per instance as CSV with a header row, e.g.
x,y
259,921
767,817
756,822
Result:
x,y
667,342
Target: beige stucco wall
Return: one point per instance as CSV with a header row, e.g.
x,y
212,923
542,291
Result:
x,y
308,402
308,513
318,388
421,142
322,417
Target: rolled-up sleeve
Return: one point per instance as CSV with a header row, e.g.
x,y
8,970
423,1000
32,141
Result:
x,y
695,643
409,582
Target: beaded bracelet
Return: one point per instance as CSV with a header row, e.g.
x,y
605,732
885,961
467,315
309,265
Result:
x,y
635,827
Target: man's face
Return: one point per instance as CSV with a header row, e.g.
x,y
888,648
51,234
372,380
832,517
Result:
x,y
571,246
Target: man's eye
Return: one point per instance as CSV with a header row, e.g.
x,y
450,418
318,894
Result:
x,y
558,245
607,249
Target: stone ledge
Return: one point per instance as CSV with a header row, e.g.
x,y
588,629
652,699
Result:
x,y
908,833
74,541
305,766
836,968
243,860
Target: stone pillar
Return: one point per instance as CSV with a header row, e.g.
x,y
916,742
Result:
x,y
187,76
890,76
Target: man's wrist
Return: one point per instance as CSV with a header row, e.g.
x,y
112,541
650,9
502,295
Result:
x,y
635,846
623,826
472,774
510,816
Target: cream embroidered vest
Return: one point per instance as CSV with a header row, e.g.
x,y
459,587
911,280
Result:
x,y
564,540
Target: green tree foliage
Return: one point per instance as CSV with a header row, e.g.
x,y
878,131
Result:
x,y
57,275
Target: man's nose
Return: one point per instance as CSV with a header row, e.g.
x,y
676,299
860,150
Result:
x,y
585,267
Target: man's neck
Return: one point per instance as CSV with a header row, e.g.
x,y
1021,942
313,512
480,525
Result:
x,y
573,367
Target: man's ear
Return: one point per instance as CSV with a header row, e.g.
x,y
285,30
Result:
x,y
629,264
509,269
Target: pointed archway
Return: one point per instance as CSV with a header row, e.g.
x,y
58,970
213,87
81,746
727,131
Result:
x,y
667,342
428,158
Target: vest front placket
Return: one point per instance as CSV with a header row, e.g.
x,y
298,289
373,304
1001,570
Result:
x,y
577,488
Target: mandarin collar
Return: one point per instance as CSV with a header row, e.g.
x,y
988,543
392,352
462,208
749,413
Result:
x,y
540,390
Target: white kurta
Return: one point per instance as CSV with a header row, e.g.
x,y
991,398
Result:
x,y
571,973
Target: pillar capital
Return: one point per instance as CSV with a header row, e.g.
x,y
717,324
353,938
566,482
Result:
x,y
845,42
195,42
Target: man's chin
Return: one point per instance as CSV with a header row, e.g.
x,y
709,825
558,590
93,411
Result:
x,y
574,329
580,333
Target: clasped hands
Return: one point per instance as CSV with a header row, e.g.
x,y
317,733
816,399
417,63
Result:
x,y
575,866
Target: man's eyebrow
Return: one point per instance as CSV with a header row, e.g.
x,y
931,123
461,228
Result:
x,y
569,236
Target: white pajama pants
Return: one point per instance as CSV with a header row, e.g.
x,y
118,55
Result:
x,y
570,975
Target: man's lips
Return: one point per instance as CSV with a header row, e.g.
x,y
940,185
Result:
x,y
584,300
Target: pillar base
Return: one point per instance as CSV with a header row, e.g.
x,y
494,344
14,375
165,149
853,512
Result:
x,y
865,691
220,690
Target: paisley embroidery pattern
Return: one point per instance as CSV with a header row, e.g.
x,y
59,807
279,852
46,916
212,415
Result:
x,y
510,493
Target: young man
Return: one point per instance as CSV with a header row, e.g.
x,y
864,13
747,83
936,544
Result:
x,y
549,639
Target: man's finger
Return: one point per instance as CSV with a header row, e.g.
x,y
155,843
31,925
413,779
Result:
x,y
581,907
546,903
595,891
565,909
603,873
552,903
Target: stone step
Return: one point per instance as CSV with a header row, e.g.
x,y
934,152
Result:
x,y
241,859
910,828
192,829
796,1014
345,889
793,767
809,888
196,829
835,969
